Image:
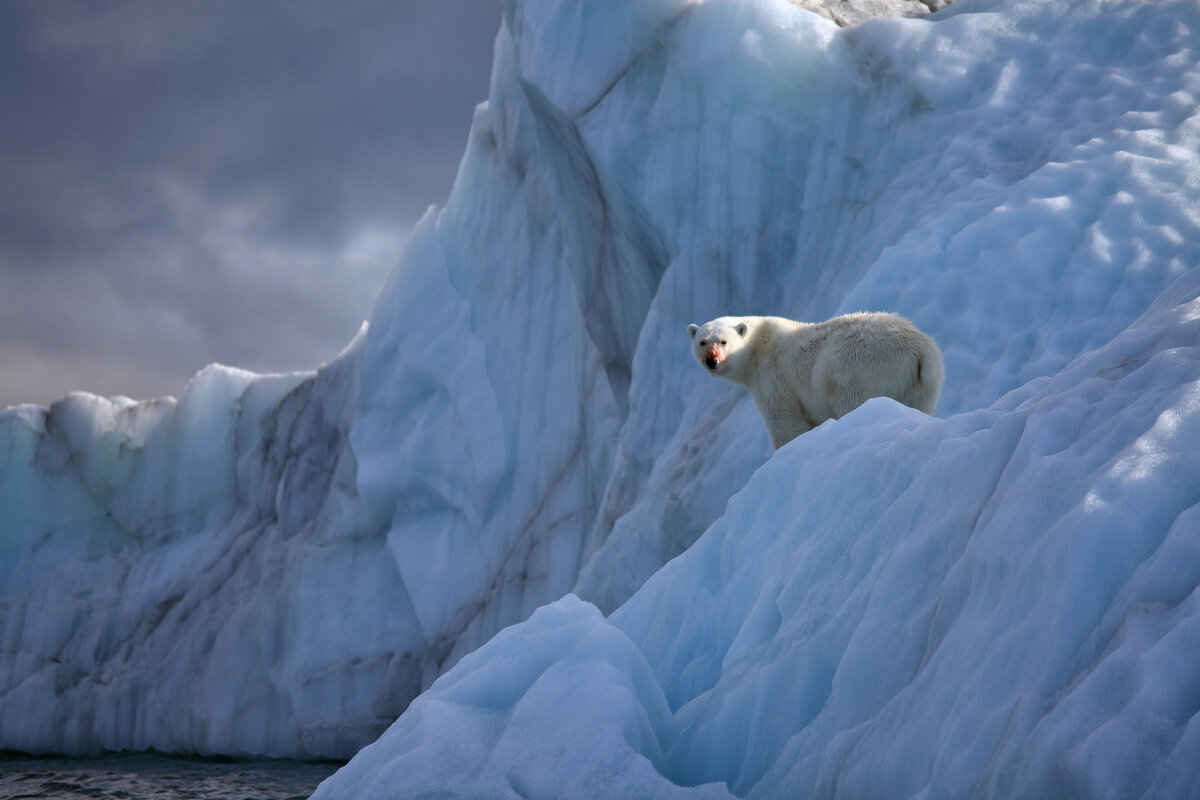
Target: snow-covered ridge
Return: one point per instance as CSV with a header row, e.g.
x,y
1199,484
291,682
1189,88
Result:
x,y
278,565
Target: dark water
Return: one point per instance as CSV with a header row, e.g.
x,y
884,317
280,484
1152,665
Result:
x,y
134,777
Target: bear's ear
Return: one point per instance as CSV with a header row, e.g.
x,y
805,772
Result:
x,y
692,328
741,329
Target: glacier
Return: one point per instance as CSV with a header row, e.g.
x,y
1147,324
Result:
x,y
516,511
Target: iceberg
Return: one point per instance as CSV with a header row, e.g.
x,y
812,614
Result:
x,y
516,511
999,601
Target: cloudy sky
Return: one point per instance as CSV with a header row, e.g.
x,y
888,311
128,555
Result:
x,y
205,180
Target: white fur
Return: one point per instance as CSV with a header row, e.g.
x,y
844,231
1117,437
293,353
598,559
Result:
x,y
801,374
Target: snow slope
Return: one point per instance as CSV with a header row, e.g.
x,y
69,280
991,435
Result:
x,y
997,600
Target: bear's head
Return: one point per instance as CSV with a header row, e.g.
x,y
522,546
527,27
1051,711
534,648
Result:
x,y
718,345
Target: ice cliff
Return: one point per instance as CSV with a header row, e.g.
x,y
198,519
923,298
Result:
x,y
999,601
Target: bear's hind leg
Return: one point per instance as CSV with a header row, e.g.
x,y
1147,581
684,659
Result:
x,y
844,397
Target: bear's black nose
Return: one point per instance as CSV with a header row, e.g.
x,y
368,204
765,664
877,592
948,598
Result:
x,y
710,362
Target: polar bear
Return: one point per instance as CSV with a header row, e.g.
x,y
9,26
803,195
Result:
x,y
801,374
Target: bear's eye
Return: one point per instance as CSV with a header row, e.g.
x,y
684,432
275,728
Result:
x,y
723,343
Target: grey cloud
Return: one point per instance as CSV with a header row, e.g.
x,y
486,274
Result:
x,y
190,182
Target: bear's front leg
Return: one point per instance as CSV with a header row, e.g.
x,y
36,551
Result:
x,y
783,425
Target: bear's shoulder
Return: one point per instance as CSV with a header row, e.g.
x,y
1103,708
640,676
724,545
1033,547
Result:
x,y
773,327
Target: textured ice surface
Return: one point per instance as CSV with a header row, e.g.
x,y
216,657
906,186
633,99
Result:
x,y
996,602
164,572
564,705
998,599
1019,179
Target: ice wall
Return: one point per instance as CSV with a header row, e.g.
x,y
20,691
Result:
x,y
1000,601
168,579
1012,178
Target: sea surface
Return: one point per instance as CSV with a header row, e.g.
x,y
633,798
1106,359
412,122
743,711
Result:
x,y
134,777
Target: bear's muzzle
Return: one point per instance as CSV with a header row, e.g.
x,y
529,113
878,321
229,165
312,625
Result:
x,y
712,358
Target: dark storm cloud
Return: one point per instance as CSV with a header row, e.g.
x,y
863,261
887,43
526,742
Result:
x,y
202,181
